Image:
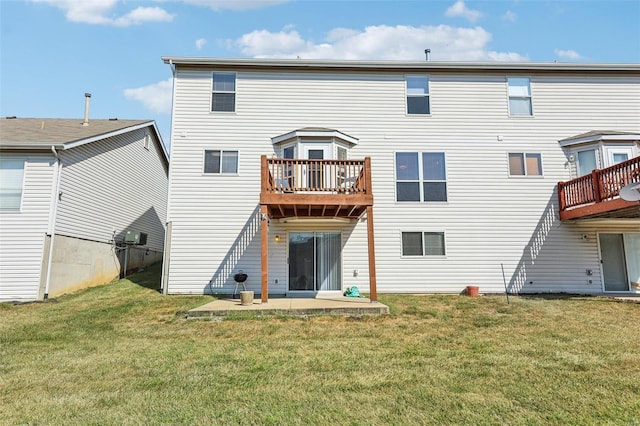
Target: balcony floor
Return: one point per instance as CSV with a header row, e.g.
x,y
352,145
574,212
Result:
x,y
284,205
612,209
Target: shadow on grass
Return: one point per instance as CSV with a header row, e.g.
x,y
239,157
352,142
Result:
x,y
149,277
556,296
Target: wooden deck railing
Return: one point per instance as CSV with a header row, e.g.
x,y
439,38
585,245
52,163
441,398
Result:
x,y
281,175
600,185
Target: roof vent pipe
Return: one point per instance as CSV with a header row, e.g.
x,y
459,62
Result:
x,y
427,54
87,97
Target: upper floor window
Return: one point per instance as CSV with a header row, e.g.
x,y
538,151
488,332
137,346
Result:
x,y
218,161
525,164
423,244
341,153
289,152
587,161
520,96
223,97
11,178
421,176
619,157
418,95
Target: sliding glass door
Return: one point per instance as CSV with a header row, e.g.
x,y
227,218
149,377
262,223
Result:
x,y
620,258
315,261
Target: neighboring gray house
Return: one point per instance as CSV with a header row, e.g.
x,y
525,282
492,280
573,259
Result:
x,y
278,168
69,191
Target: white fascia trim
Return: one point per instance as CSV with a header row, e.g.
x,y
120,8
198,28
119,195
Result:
x,y
395,65
631,137
314,133
19,146
162,146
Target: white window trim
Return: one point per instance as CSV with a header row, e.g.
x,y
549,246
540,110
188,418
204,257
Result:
x,y
147,141
305,145
235,92
220,173
598,156
530,97
423,255
525,175
406,95
24,181
420,177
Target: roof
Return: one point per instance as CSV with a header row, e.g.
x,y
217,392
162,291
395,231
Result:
x,y
599,135
65,133
54,131
400,66
311,132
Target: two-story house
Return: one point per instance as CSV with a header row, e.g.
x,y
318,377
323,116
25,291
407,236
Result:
x,y
401,177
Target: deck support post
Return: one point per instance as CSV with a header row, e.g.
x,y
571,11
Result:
x,y
264,249
562,201
596,185
372,256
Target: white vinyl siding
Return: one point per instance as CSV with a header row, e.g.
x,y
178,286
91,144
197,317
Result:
x,y
23,232
490,218
111,186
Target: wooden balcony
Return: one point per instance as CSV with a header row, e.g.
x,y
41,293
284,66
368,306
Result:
x,y
315,188
598,195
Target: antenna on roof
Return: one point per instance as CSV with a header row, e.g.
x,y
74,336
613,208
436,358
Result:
x,y
427,54
87,97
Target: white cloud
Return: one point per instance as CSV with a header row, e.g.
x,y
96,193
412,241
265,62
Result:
x,y
143,14
235,4
156,97
567,54
377,42
264,43
460,9
509,16
200,43
101,12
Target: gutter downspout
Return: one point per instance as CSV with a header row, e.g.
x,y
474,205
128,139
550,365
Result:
x,y
166,255
52,219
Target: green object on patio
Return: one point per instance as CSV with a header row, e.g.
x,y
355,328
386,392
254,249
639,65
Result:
x,y
352,292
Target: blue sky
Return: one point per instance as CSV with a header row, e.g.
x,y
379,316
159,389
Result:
x,y
53,51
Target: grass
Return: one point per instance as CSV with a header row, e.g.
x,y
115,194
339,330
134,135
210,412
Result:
x,y
124,354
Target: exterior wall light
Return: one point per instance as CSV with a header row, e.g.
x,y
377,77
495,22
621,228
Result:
x,y
277,238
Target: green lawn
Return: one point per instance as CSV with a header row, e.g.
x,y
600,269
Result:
x,y
124,354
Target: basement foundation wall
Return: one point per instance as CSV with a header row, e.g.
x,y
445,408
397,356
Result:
x,y
79,264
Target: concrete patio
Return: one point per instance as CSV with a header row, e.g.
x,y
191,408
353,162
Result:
x,y
292,306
